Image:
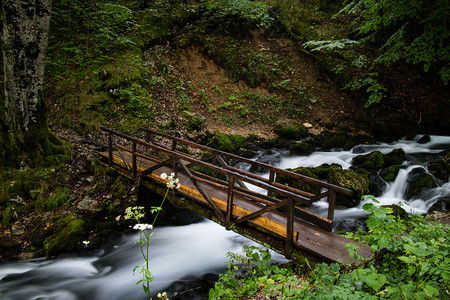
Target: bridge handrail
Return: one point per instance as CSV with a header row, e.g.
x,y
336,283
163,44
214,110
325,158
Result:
x,y
260,183
270,168
267,203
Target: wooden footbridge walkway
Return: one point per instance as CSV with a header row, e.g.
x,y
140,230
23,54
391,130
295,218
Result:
x,y
277,217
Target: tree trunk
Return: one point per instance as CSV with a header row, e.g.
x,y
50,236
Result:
x,y
24,129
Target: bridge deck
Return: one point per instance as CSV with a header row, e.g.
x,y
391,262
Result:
x,y
324,244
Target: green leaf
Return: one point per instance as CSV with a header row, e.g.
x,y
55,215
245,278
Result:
x,y
431,291
375,281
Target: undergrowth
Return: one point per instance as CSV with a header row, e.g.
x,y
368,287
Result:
x,y
411,261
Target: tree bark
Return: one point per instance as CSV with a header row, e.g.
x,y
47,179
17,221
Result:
x,y
24,128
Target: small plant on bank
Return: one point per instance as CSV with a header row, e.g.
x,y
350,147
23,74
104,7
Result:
x,y
137,213
411,261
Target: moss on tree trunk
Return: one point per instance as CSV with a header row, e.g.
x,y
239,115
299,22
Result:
x,y
25,138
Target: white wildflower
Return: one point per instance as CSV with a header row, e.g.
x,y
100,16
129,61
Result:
x,y
163,175
173,182
142,226
86,243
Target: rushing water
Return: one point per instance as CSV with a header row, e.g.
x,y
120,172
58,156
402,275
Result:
x,y
180,257
183,256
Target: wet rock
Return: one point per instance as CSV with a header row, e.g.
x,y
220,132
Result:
x,y
358,183
442,204
395,157
290,129
324,170
376,183
299,184
397,210
350,225
269,157
391,172
441,168
332,139
371,161
302,149
424,139
418,180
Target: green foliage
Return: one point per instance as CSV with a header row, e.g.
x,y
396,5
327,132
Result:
x,y
329,44
54,200
413,31
239,15
411,261
251,273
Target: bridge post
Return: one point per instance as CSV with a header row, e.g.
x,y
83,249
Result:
x,y
331,204
133,160
289,228
230,202
110,151
271,179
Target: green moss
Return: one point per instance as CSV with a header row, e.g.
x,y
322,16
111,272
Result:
x,y
324,170
395,157
68,237
371,161
8,214
302,149
227,143
358,183
391,172
299,184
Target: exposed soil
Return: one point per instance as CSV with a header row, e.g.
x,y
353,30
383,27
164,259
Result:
x,y
326,104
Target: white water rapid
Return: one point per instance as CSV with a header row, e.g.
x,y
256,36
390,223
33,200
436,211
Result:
x,y
181,255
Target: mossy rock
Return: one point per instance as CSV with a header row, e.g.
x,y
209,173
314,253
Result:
x,y
193,122
68,237
299,184
441,168
395,157
324,170
371,161
391,172
290,129
227,142
358,183
302,149
442,204
418,181
332,139
376,183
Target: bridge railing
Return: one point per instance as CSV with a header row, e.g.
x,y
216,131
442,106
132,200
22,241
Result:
x,y
166,150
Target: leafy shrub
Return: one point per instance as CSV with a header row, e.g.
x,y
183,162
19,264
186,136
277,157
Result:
x,y
239,14
414,31
411,261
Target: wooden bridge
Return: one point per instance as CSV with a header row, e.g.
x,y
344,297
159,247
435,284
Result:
x,y
211,186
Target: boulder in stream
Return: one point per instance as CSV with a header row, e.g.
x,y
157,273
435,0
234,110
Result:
x,y
358,183
290,129
299,184
418,181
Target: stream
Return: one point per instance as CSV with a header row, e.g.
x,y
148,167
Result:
x,y
188,258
